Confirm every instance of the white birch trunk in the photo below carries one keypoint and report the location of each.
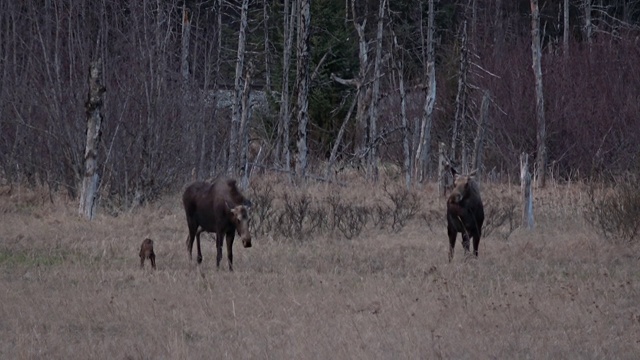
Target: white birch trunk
(232, 165)
(372, 164)
(461, 100)
(283, 152)
(565, 33)
(527, 194)
(537, 72)
(424, 142)
(89, 188)
(476, 162)
(244, 125)
(302, 79)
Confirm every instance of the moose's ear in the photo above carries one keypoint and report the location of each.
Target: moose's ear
(453, 172)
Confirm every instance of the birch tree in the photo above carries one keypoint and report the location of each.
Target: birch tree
(460, 116)
(93, 106)
(375, 97)
(232, 164)
(302, 80)
(283, 153)
(537, 72)
(424, 142)
(565, 32)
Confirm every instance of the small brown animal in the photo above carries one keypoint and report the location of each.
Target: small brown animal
(146, 252)
(465, 212)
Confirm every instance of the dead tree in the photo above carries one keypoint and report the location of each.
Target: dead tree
(302, 80)
(283, 152)
(424, 142)
(232, 164)
(93, 108)
(459, 120)
(476, 162)
(537, 72)
(336, 145)
(527, 195)
(565, 33)
(244, 125)
(588, 24)
(267, 58)
(375, 97)
(398, 67)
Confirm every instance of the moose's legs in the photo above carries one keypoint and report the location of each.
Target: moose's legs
(219, 240)
(199, 258)
(230, 237)
(476, 244)
(451, 231)
(193, 227)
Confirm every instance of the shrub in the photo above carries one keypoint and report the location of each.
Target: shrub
(614, 210)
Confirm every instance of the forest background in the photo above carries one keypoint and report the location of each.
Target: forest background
(175, 73)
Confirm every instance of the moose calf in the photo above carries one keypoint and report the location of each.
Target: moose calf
(146, 252)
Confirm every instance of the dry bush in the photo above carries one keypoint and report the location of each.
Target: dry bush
(301, 216)
(263, 210)
(614, 210)
(501, 215)
(405, 205)
(351, 219)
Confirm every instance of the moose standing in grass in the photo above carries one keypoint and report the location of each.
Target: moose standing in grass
(465, 212)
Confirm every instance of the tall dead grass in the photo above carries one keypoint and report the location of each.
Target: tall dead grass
(74, 289)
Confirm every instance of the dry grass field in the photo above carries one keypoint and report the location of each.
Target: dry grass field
(72, 289)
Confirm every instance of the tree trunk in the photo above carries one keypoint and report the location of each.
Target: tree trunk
(424, 142)
(406, 133)
(302, 79)
(565, 33)
(336, 145)
(214, 152)
(184, 55)
(537, 71)
(459, 119)
(283, 152)
(267, 58)
(362, 129)
(476, 162)
(442, 168)
(372, 163)
(588, 25)
(232, 165)
(527, 195)
(244, 125)
(93, 106)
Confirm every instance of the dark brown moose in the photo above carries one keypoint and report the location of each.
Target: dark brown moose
(465, 212)
(218, 208)
(146, 252)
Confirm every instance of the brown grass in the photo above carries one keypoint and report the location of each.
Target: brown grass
(73, 289)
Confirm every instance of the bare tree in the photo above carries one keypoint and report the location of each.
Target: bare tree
(459, 120)
(398, 66)
(375, 97)
(424, 142)
(267, 58)
(302, 80)
(537, 72)
(565, 32)
(527, 194)
(284, 122)
(476, 162)
(236, 110)
(244, 125)
(588, 24)
(93, 106)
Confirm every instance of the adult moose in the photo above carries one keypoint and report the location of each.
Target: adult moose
(219, 208)
(465, 212)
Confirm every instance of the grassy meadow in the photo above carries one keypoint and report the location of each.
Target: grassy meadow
(73, 289)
